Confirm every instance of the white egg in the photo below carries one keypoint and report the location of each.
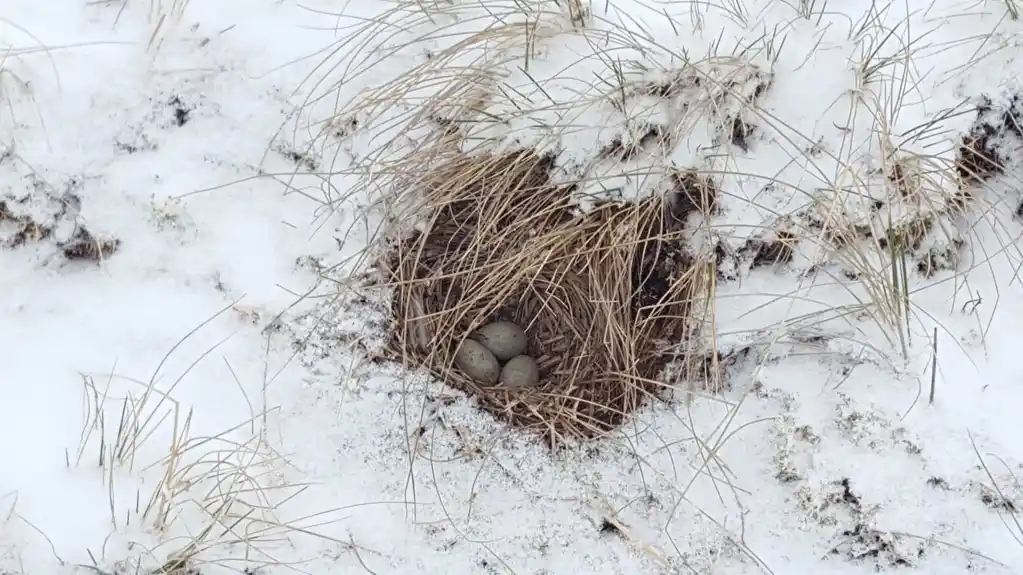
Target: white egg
(478, 362)
(520, 371)
(503, 338)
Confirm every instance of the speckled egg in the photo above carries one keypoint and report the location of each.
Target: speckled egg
(476, 361)
(520, 371)
(503, 338)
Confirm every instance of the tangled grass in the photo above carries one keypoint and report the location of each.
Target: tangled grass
(865, 215)
(605, 296)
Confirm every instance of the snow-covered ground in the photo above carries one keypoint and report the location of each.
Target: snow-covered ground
(190, 389)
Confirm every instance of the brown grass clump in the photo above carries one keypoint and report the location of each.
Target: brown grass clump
(605, 297)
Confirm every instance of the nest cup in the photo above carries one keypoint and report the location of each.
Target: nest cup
(604, 297)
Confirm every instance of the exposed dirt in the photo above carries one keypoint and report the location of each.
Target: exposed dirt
(46, 214)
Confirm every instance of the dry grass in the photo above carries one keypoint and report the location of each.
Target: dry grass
(15, 85)
(605, 297)
(877, 210)
(161, 16)
(205, 498)
(498, 240)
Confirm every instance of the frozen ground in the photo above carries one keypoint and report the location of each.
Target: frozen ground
(174, 394)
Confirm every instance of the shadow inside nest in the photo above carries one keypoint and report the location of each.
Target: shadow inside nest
(604, 297)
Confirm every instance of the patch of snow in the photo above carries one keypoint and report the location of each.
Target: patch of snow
(267, 441)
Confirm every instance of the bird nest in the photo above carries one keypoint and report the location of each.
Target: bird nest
(604, 296)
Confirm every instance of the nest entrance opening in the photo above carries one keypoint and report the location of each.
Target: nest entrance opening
(605, 297)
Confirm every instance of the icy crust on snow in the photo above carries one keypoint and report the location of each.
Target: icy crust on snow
(822, 453)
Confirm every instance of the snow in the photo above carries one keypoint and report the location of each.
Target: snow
(265, 442)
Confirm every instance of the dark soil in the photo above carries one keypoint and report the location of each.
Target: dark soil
(22, 228)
